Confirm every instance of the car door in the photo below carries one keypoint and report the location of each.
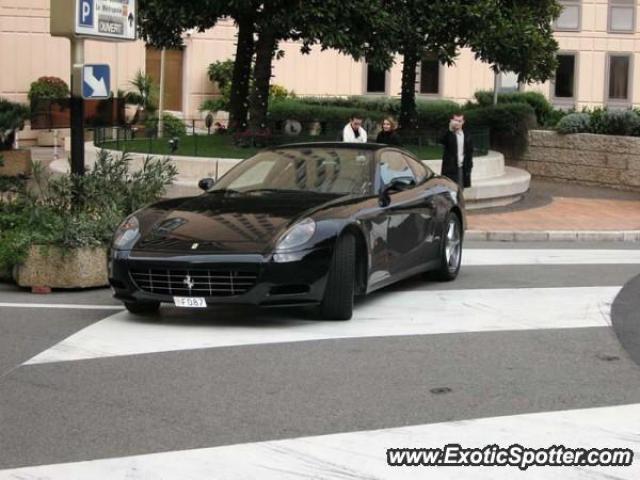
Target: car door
(409, 215)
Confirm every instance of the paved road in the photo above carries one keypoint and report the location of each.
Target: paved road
(519, 349)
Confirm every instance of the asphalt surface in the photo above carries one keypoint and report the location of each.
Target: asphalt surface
(108, 407)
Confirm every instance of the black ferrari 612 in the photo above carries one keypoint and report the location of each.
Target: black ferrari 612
(307, 224)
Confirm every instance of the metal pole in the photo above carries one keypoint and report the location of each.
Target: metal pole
(161, 101)
(77, 109)
(496, 86)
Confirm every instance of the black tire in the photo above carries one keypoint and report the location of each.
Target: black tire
(450, 249)
(140, 308)
(337, 303)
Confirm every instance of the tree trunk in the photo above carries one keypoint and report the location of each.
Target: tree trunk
(259, 101)
(408, 113)
(239, 100)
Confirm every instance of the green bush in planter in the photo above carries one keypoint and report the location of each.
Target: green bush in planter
(77, 211)
(574, 123)
(48, 88)
(172, 125)
(614, 122)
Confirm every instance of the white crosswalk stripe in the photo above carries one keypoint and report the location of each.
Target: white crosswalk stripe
(363, 454)
(392, 314)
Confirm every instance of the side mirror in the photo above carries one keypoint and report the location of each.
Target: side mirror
(396, 185)
(206, 184)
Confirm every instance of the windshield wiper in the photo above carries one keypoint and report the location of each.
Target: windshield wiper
(226, 191)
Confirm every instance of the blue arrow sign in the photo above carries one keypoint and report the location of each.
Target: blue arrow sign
(96, 81)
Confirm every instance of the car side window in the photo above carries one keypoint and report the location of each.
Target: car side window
(394, 167)
(421, 171)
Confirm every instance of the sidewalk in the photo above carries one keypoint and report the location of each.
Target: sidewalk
(561, 211)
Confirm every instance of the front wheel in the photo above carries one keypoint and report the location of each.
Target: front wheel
(450, 249)
(337, 303)
(140, 308)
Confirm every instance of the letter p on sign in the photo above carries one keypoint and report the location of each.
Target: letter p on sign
(86, 13)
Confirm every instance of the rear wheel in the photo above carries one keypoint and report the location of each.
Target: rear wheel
(450, 249)
(337, 303)
(142, 307)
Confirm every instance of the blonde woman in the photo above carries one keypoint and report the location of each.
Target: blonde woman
(388, 135)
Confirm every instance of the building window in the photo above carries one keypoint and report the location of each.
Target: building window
(619, 78)
(622, 16)
(569, 19)
(565, 81)
(429, 74)
(376, 80)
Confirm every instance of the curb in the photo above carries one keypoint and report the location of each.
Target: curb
(628, 236)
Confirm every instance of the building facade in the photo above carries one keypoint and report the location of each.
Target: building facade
(599, 61)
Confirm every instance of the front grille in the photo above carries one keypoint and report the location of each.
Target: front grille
(194, 282)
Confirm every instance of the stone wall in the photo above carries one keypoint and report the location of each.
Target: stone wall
(584, 158)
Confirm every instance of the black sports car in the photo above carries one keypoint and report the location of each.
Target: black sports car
(306, 224)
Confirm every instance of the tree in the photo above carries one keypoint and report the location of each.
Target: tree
(348, 26)
(512, 35)
(163, 23)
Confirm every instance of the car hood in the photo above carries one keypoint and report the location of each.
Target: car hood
(225, 223)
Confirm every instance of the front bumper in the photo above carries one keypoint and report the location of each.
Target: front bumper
(294, 279)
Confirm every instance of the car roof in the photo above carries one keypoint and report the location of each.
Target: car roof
(339, 145)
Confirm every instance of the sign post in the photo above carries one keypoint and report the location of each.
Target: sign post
(104, 20)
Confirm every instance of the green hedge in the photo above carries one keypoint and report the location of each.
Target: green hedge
(546, 115)
(601, 121)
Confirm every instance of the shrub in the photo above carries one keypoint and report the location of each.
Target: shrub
(48, 88)
(614, 122)
(12, 117)
(172, 125)
(305, 112)
(543, 109)
(574, 123)
(73, 211)
(435, 115)
(509, 125)
(146, 94)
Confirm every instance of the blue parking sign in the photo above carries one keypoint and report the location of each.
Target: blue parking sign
(86, 13)
(96, 81)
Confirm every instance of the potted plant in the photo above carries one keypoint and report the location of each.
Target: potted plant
(52, 89)
(56, 234)
(12, 117)
(141, 103)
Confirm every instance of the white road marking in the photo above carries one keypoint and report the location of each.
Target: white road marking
(363, 454)
(62, 306)
(385, 314)
(489, 257)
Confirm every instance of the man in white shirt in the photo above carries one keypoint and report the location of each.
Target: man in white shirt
(353, 132)
(457, 159)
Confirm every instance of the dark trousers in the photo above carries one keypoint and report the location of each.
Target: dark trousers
(461, 177)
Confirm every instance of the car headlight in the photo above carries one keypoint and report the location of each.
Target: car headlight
(297, 235)
(127, 233)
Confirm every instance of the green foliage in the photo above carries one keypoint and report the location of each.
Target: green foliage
(146, 94)
(172, 125)
(221, 73)
(544, 110)
(73, 211)
(12, 117)
(278, 92)
(574, 123)
(509, 125)
(48, 88)
(294, 109)
(601, 121)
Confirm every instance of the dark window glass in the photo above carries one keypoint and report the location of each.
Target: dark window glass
(619, 78)
(430, 75)
(565, 76)
(376, 80)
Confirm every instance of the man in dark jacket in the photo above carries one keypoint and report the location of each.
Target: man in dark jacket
(457, 159)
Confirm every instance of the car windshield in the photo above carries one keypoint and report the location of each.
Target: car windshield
(316, 170)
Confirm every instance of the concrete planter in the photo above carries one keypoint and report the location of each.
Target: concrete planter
(16, 162)
(55, 267)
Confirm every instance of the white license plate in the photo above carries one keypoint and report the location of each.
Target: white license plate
(190, 302)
